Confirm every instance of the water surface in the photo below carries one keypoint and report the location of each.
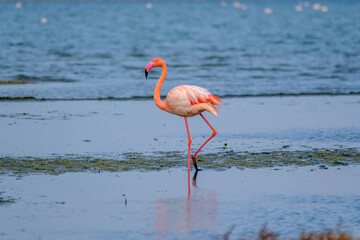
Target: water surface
(99, 49)
(157, 205)
(111, 128)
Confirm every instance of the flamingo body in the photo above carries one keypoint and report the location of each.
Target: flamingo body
(185, 101)
(191, 100)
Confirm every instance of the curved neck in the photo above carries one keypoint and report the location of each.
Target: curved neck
(161, 104)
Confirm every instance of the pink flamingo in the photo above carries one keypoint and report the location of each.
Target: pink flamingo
(185, 101)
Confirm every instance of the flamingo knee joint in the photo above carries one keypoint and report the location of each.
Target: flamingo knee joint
(214, 133)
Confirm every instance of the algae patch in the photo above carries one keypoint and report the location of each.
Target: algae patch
(165, 160)
(6, 200)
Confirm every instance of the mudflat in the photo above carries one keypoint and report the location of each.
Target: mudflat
(289, 163)
(109, 128)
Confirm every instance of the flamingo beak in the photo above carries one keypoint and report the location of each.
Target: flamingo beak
(148, 67)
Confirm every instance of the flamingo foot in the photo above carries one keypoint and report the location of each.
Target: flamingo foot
(195, 164)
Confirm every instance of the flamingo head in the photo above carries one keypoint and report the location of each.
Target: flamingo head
(156, 62)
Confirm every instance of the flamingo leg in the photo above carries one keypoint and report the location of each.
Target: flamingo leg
(189, 143)
(213, 135)
(194, 179)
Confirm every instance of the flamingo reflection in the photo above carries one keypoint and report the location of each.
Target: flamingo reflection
(184, 215)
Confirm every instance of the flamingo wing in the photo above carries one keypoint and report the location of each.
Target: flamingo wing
(190, 100)
(198, 95)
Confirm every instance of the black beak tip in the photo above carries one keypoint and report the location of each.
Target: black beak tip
(146, 73)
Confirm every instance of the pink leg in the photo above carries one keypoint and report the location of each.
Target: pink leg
(189, 143)
(189, 191)
(213, 135)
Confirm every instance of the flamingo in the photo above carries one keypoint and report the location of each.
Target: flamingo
(185, 101)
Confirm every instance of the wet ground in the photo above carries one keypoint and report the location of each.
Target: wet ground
(117, 169)
(166, 160)
(109, 128)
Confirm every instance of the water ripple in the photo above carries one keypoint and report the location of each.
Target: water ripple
(99, 49)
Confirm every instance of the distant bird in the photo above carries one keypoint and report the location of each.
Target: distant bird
(185, 101)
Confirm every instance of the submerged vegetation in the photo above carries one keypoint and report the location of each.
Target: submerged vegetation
(5, 200)
(265, 234)
(165, 160)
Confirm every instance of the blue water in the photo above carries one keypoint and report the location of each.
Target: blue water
(76, 206)
(99, 49)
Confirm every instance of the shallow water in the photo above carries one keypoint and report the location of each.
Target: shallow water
(99, 49)
(156, 205)
(111, 128)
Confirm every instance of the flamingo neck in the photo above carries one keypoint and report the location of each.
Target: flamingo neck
(161, 104)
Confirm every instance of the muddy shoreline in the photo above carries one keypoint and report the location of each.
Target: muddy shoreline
(103, 129)
(167, 160)
(56, 137)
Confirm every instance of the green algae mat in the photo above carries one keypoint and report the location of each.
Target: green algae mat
(165, 160)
